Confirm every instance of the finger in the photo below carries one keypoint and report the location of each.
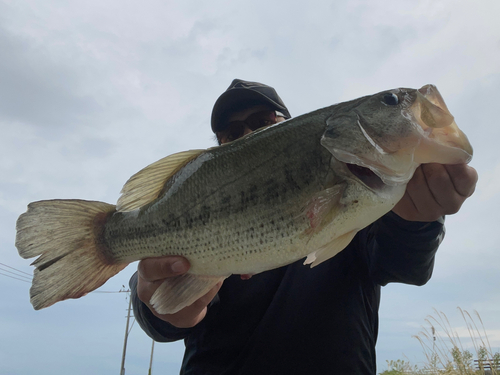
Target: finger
(442, 188)
(192, 314)
(154, 269)
(464, 178)
(421, 196)
(405, 207)
(146, 289)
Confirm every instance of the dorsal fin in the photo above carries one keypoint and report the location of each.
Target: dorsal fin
(146, 185)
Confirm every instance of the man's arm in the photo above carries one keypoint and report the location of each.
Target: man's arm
(402, 245)
(397, 250)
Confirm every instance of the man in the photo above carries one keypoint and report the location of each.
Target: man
(297, 320)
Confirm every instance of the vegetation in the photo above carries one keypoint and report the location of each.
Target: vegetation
(445, 353)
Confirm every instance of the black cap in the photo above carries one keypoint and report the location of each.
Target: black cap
(243, 94)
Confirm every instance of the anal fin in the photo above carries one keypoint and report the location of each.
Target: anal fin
(178, 292)
(330, 250)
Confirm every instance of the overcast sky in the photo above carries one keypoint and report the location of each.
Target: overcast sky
(91, 92)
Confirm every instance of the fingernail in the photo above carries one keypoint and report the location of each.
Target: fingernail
(178, 267)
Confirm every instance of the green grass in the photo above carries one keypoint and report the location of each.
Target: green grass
(445, 353)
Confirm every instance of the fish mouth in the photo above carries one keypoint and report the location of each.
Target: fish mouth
(366, 176)
(443, 142)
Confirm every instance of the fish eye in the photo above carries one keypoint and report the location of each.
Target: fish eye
(391, 99)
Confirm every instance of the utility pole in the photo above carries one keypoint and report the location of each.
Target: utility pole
(151, 359)
(122, 371)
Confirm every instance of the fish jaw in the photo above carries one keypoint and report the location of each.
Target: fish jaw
(442, 142)
(392, 140)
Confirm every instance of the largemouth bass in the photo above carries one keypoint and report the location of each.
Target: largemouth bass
(297, 189)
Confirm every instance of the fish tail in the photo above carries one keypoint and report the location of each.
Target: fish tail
(67, 236)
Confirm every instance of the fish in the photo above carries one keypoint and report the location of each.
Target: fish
(299, 189)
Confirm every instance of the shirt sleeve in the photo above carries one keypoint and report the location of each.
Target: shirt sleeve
(159, 330)
(401, 251)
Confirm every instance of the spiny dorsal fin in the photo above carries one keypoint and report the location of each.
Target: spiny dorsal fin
(147, 184)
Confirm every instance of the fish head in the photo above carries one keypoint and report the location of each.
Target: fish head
(391, 133)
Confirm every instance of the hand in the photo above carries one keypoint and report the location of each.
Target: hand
(151, 274)
(436, 190)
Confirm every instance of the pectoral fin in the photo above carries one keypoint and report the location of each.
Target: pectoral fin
(322, 207)
(330, 250)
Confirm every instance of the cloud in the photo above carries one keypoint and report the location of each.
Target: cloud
(36, 90)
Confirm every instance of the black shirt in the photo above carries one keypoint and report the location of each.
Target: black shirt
(298, 320)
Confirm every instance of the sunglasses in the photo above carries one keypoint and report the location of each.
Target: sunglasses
(236, 129)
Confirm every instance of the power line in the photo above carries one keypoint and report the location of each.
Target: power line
(16, 274)
(12, 277)
(122, 290)
(29, 278)
(108, 291)
(15, 269)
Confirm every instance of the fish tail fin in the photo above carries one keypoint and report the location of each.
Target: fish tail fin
(66, 235)
(178, 292)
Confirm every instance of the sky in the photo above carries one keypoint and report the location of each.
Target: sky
(91, 92)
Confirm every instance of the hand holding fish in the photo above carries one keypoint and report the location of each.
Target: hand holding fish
(436, 190)
(152, 272)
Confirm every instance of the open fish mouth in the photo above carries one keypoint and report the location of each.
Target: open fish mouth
(366, 176)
